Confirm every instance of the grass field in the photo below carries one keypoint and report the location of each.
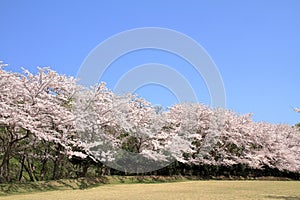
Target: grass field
(286, 190)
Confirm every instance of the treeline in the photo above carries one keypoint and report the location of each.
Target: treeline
(53, 128)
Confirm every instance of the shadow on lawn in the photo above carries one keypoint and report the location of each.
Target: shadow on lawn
(151, 179)
(81, 183)
(28, 187)
(284, 197)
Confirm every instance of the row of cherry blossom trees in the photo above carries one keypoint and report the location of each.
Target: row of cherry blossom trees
(51, 128)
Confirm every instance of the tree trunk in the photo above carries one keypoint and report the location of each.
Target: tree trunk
(85, 168)
(55, 169)
(4, 167)
(58, 158)
(22, 167)
(43, 170)
(28, 170)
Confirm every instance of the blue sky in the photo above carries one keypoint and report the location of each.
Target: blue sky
(255, 45)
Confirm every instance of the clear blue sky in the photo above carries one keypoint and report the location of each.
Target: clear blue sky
(255, 44)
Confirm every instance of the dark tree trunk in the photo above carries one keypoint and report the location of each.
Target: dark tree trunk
(85, 168)
(58, 158)
(4, 167)
(22, 167)
(56, 169)
(28, 170)
(43, 170)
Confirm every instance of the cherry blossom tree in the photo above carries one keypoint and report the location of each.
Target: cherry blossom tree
(51, 109)
(95, 121)
(15, 124)
(120, 131)
(187, 126)
(36, 107)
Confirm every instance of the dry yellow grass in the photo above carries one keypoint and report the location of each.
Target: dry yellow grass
(286, 190)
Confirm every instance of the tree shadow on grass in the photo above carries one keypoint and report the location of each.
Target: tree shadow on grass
(82, 183)
(284, 197)
(24, 188)
(67, 185)
(91, 182)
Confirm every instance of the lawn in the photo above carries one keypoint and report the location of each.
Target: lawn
(286, 190)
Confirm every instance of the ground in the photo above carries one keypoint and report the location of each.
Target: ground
(286, 190)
